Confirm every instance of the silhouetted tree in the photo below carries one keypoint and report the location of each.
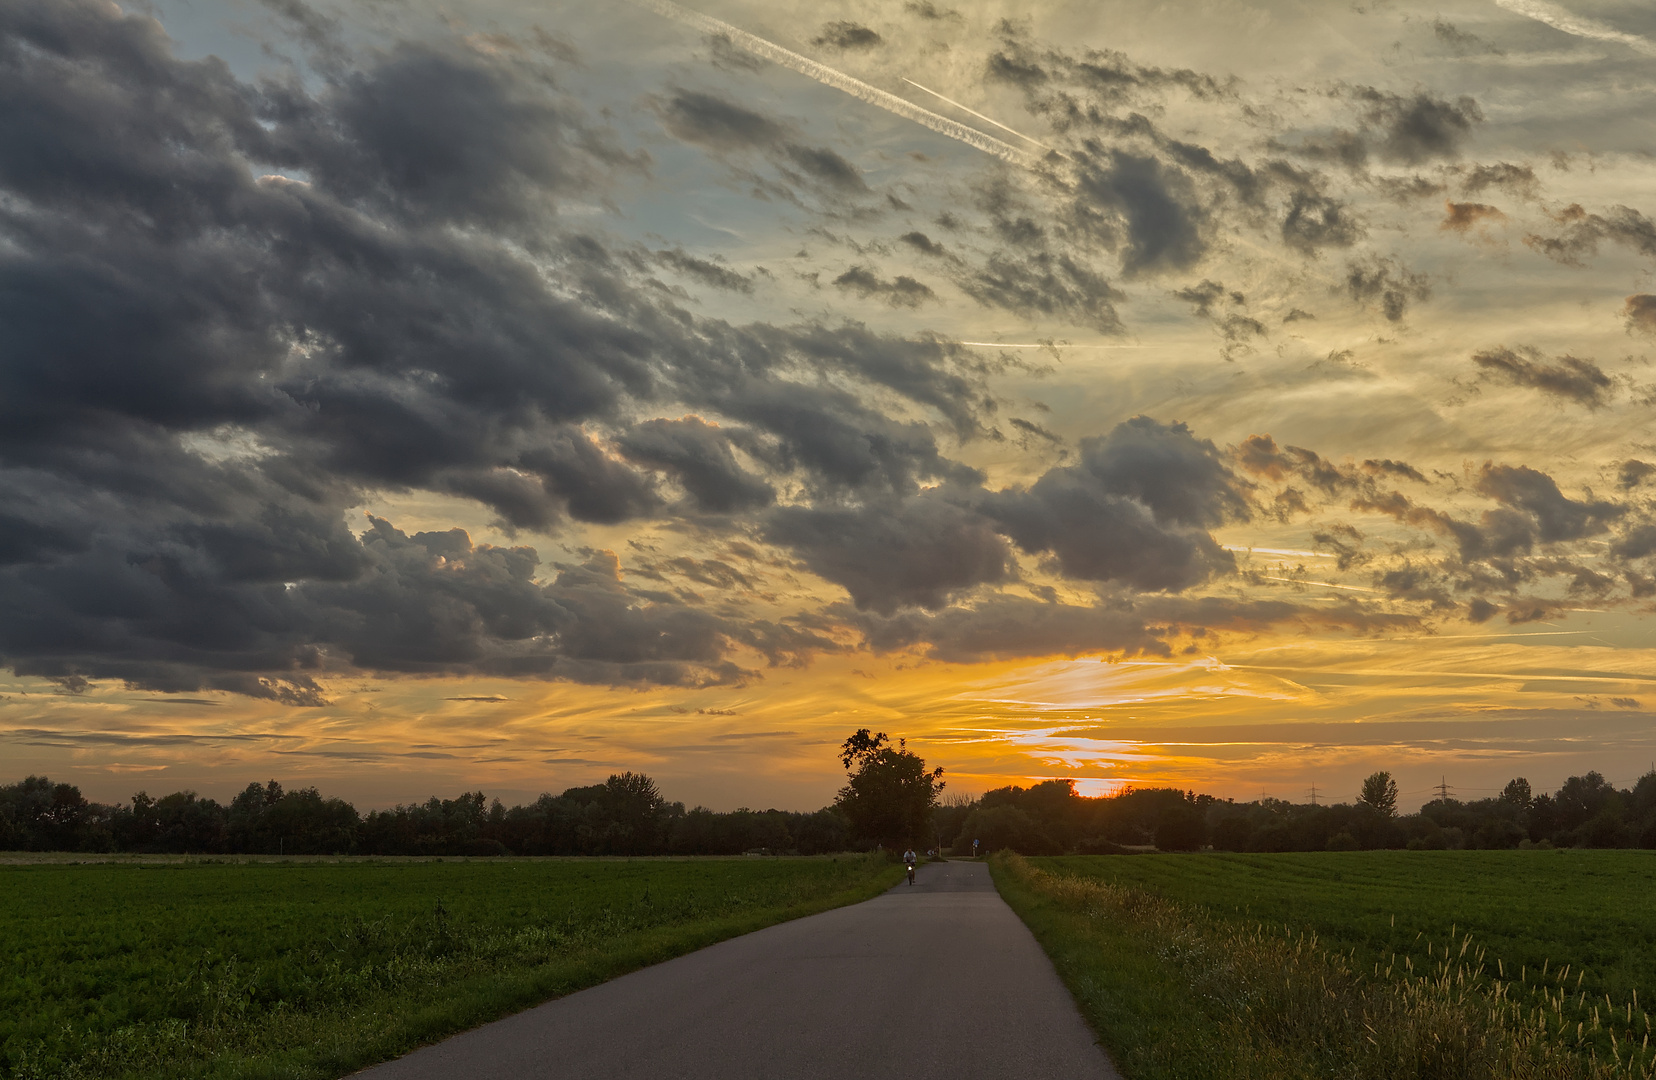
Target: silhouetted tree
(42, 816)
(1005, 828)
(1583, 798)
(889, 794)
(629, 815)
(1181, 829)
(1380, 794)
(1517, 792)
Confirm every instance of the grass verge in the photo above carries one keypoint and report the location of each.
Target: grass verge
(1176, 993)
(309, 971)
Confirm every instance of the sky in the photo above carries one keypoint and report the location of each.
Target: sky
(408, 398)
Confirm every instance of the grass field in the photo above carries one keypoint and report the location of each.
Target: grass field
(1592, 910)
(313, 969)
(1516, 958)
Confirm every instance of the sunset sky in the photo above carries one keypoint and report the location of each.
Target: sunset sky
(405, 398)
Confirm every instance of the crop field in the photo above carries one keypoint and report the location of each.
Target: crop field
(313, 969)
(1481, 963)
(1594, 911)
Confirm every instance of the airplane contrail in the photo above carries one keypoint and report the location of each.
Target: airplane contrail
(1044, 345)
(1578, 25)
(839, 80)
(980, 116)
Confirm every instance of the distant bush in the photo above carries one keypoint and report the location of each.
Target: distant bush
(1181, 828)
(1005, 828)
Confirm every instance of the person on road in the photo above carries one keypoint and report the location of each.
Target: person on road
(909, 860)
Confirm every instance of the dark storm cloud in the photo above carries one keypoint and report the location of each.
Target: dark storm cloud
(1237, 328)
(1461, 42)
(1557, 516)
(1135, 204)
(922, 243)
(229, 309)
(1043, 283)
(1480, 610)
(827, 166)
(1495, 552)
(1519, 180)
(1073, 86)
(842, 34)
(937, 374)
(705, 271)
(725, 127)
(1013, 627)
(1417, 129)
(1398, 129)
(1261, 456)
(1386, 284)
(1567, 377)
(1034, 271)
(1135, 510)
(925, 9)
(431, 603)
(1126, 191)
(712, 121)
(1420, 128)
(1010, 627)
(232, 311)
(1640, 311)
(1638, 542)
(698, 456)
(914, 552)
(1461, 217)
(726, 54)
(1315, 221)
(1580, 234)
(1401, 470)
(1633, 472)
(901, 291)
(1203, 296)
(1028, 429)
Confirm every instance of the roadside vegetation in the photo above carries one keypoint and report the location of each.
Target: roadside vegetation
(1346, 965)
(312, 970)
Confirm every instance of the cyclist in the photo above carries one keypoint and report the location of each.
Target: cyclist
(909, 859)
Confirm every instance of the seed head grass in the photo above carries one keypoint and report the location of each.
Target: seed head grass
(1177, 992)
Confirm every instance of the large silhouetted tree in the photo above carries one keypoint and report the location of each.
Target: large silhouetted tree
(889, 794)
(1518, 793)
(1380, 794)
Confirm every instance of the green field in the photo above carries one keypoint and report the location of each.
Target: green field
(1487, 964)
(1592, 910)
(313, 969)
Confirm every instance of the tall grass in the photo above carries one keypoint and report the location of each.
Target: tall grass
(1177, 993)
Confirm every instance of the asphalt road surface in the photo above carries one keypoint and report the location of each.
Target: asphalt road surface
(935, 980)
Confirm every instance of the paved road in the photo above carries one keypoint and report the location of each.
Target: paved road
(936, 980)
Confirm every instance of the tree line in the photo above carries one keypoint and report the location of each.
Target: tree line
(887, 802)
(625, 815)
(1050, 818)
(890, 800)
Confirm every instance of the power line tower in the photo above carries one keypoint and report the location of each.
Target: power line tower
(1313, 794)
(1443, 788)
